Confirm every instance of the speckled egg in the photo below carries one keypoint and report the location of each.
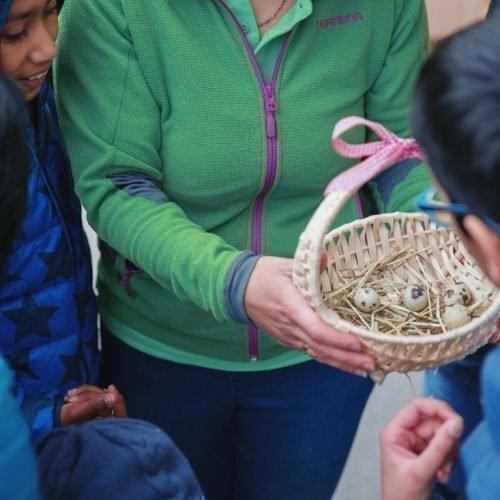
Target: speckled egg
(455, 316)
(457, 293)
(415, 298)
(366, 299)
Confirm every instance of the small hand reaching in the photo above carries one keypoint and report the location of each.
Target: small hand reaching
(419, 444)
(88, 402)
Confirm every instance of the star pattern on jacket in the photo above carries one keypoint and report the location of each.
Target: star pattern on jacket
(21, 364)
(82, 300)
(10, 278)
(23, 319)
(58, 264)
(72, 368)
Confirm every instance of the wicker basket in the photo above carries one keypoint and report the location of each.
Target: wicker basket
(357, 245)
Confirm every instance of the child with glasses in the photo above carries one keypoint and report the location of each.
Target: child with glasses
(456, 120)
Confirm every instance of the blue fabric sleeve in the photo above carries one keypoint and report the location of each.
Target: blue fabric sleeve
(39, 409)
(58, 404)
(139, 186)
(398, 188)
(19, 476)
(493, 5)
(236, 284)
(385, 182)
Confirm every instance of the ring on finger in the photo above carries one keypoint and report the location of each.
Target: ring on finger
(304, 348)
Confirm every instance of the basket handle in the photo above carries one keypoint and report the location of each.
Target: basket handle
(379, 156)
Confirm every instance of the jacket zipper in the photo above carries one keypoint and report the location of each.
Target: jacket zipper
(40, 155)
(57, 206)
(270, 107)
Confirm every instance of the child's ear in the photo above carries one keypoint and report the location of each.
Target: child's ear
(487, 242)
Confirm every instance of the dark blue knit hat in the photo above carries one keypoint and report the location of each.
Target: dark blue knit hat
(118, 458)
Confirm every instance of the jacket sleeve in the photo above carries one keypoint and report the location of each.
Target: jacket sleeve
(19, 476)
(389, 101)
(40, 405)
(110, 121)
(41, 410)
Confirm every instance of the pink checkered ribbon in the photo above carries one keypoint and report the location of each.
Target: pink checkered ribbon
(378, 155)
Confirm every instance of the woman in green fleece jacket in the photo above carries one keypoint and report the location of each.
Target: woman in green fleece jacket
(200, 134)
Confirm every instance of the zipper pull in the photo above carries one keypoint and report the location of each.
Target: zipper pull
(270, 126)
(271, 108)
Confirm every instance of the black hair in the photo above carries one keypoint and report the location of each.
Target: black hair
(14, 165)
(456, 116)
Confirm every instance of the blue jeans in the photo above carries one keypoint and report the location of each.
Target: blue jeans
(458, 384)
(270, 435)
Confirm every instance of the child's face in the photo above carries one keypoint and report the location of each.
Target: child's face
(27, 44)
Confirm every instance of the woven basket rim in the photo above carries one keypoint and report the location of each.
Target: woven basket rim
(381, 218)
(489, 314)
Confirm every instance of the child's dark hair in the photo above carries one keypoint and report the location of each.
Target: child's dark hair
(14, 165)
(456, 116)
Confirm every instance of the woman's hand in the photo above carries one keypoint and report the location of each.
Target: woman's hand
(418, 444)
(88, 402)
(495, 338)
(275, 305)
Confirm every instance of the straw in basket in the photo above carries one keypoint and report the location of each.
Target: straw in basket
(431, 254)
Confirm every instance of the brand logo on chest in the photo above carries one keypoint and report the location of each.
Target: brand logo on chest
(353, 17)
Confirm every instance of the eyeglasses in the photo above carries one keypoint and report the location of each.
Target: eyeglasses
(443, 213)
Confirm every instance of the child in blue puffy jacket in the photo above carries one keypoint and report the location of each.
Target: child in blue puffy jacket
(125, 458)
(48, 319)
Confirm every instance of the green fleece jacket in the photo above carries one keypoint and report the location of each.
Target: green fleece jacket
(167, 90)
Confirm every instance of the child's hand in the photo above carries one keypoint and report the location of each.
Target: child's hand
(418, 444)
(89, 402)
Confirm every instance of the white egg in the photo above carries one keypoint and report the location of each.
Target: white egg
(455, 316)
(457, 293)
(366, 299)
(415, 298)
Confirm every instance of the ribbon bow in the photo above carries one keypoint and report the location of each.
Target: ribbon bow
(378, 155)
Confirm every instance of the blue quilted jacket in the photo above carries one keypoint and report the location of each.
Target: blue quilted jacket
(47, 305)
